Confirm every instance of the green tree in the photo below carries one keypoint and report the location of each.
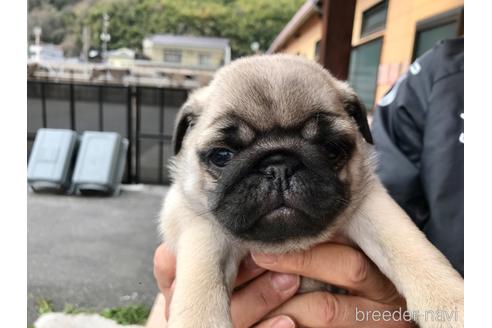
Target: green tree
(50, 20)
(241, 21)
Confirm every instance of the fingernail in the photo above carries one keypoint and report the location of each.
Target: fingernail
(283, 282)
(264, 258)
(283, 322)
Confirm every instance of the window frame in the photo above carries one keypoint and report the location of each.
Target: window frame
(176, 51)
(447, 17)
(207, 62)
(373, 8)
(379, 38)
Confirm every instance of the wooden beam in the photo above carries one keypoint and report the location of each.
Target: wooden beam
(336, 39)
(461, 23)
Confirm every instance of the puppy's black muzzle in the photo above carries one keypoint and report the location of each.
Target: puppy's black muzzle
(279, 168)
(278, 188)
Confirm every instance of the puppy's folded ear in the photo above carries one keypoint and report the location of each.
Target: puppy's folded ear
(356, 109)
(186, 117)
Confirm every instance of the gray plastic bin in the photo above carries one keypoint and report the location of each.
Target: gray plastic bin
(100, 163)
(51, 160)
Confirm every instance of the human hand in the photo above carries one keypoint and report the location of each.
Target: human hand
(345, 267)
(257, 292)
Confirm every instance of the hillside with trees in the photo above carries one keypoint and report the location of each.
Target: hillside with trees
(242, 21)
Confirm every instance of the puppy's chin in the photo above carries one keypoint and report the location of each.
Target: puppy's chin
(283, 224)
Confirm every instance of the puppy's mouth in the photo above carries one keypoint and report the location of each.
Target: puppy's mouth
(275, 219)
(278, 224)
(283, 212)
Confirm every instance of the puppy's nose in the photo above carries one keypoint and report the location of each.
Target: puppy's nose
(279, 168)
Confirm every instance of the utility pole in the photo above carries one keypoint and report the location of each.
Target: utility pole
(37, 42)
(86, 43)
(255, 46)
(105, 36)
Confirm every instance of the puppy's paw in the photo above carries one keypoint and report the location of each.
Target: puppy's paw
(440, 311)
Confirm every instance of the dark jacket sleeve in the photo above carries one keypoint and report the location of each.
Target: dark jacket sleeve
(418, 135)
(398, 133)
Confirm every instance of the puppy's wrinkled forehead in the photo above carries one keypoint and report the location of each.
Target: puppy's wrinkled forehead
(274, 92)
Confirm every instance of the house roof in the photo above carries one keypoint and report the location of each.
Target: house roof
(309, 8)
(190, 41)
(122, 52)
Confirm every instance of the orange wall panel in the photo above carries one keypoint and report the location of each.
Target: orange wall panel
(398, 35)
(304, 42)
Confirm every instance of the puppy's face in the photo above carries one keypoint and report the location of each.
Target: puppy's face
(271, 149)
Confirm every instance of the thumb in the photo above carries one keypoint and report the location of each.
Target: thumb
(298, 262)
(281, 321)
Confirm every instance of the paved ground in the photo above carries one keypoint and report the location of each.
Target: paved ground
(92, 252)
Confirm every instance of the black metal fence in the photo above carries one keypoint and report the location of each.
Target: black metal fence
(144, 115)
(156, 110)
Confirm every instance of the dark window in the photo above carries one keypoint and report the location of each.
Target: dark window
(434, 29)
(374, 18)
(204, 59)
(363, 72)
(316, 50)
(172, 56)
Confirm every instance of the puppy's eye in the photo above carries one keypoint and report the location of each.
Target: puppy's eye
(335, 154)
(220, 156)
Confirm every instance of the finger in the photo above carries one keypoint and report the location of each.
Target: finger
(248, 270)
(281, 321)
(168, 295)
(321, 309)
(164, 267)
(261, 296)
(336, 264)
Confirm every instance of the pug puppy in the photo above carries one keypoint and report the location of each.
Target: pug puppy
(275, 155)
